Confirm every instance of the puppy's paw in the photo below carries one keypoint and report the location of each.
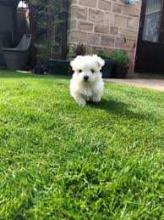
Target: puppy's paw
(96, 99)
(80, 101)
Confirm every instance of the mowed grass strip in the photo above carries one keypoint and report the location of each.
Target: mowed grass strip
(62, 161)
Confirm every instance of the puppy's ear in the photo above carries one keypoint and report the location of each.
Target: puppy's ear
(99, 60)
(75, 62)
(72, 64)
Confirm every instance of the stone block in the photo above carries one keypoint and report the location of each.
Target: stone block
(130, 34)
(93, 39)
(107, 41)
(96, 16)
(120, 43)
(104, 5)
(130, 44)
(109, 18)
(85, 26)
(101, 28)
(131, 10)
(117, 8)
(78, 37)
(133, 23)
(78, 12)
(113, 30)
(121, 21)
(74, 2)
(88, 3)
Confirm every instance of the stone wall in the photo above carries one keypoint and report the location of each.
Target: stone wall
(109, 24)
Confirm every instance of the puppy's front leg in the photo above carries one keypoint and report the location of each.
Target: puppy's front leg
(98, 92)
(96, 98)
(80, 100)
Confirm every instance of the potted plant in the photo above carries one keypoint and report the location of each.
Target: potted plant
(109, 67)
(122, 63)
(58, 67)
(80, 49)
(40, 66)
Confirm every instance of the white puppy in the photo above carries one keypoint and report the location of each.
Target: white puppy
(87, 83)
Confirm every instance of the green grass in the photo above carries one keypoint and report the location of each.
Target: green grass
(61, 161)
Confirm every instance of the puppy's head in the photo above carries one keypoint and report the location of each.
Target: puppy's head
(87, 68)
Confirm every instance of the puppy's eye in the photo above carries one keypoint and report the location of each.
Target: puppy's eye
(80, 71)
(93, 71)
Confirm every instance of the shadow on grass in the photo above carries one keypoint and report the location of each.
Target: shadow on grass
(122, 109)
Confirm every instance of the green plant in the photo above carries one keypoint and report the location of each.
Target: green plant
(76, 50)
(121, 57)
(104, 54)
(80, 50)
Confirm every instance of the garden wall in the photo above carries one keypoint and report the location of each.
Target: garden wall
(108, 24)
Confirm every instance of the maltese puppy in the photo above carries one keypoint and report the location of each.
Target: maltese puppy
(87, 83)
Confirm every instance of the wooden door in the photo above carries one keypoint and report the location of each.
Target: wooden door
(150, 49)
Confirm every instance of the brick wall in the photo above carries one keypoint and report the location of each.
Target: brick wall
(109, 24)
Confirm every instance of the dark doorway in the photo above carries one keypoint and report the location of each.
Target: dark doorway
(51, 29)
(150, 50)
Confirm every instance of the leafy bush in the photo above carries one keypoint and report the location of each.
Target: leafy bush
(121, 57)
(104, 54)
(80, 50)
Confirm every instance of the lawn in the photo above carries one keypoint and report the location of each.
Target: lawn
(65, 162)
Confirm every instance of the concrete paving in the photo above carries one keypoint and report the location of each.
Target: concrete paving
(157, 84)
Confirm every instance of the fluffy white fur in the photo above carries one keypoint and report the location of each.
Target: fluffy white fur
(87, 83)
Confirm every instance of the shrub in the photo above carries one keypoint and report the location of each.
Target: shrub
(121, 57)
(104, 54)
(80, 50)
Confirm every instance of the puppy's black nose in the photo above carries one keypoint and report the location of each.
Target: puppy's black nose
(86, 78)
